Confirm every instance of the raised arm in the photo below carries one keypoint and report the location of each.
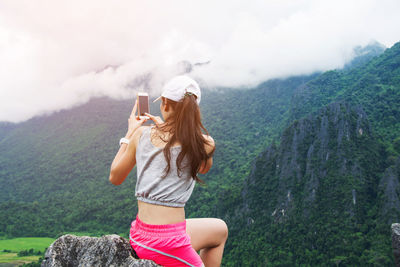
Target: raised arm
(125, 158)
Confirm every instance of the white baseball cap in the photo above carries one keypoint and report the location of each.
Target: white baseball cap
(176, 88)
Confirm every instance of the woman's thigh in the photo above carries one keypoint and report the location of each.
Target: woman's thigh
(206, 232)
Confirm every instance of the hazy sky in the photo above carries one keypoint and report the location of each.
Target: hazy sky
(58, 54)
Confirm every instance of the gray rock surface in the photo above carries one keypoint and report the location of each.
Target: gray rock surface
(109, 250)
(390, 187)
(396, 242)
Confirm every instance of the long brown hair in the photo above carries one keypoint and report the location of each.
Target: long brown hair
(185, 127)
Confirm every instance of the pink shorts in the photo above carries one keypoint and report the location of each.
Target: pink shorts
(166, 245)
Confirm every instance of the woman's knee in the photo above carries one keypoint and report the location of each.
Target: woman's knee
(223, 229)
(207, 232)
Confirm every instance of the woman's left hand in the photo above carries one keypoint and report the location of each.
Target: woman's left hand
(134, 121)
(156, 119)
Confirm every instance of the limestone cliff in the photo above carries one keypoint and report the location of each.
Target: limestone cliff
(322, 163)
(390, 190)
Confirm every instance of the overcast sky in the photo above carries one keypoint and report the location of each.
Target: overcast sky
(59, 54)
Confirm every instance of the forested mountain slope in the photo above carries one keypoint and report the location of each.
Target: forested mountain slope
(328, 191)
(374, 85)
(313, 199)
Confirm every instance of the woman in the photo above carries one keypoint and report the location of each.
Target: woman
(168, 156)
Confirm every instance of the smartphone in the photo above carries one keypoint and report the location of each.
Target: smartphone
(143, 104)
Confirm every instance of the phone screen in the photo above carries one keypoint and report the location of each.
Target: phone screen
(143, 104)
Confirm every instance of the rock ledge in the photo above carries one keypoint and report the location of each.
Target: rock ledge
(109, 250)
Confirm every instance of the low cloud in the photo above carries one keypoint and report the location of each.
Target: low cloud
(56, 55)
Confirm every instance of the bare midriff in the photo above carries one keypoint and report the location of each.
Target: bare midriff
(157, 214)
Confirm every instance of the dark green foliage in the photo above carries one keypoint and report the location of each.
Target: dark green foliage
(34, 264)
(396, 144)
(29, 252)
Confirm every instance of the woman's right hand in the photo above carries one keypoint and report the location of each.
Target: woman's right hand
(134, 121)
(156, 119)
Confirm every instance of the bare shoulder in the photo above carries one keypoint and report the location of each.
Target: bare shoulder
(210, 143)
(209, 139)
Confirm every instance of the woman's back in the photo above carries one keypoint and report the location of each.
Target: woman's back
(153, 185)
(160, 199)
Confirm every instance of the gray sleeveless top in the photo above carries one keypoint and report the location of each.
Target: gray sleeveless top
(172, 190)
